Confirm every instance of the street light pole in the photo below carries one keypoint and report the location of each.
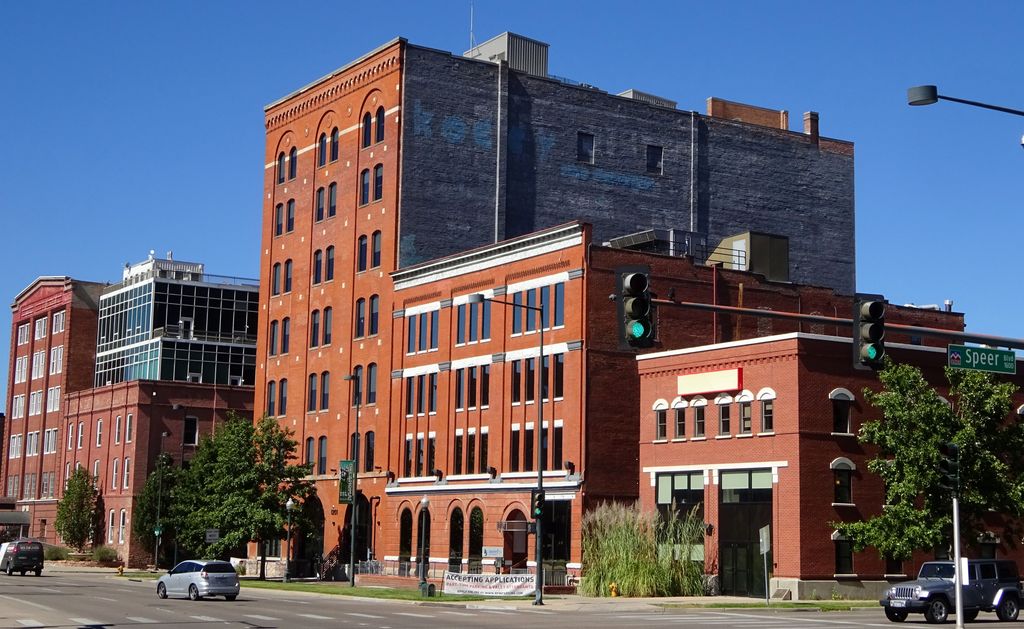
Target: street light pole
(355, 469)
(424, 514)
(158, 530)
(288, 543)
(929, 94)
(478, 298)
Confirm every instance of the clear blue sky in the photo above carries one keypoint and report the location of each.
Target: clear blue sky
(130, 126)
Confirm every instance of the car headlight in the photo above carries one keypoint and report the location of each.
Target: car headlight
(919, 592)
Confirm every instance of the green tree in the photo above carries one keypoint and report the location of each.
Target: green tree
(915, 422)
(76, 511)
(155, 497)
(238, 482)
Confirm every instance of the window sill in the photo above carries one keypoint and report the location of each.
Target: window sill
(679, 440)
(846, 576)
(844, 504)
(723, 436)
(766, 434)
(660, 441)
(745, 435)
(842, 434)
(698, 438)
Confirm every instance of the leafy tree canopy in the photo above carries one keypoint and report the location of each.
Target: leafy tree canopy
(154, 502)
(915, 422)
(76, 511)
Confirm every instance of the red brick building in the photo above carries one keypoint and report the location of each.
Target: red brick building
(762, 432)
(53, 350)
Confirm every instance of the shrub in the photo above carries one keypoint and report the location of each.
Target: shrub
(104, 554)
(55, 553)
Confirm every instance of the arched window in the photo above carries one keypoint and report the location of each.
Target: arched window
(321, 461)
(282, 397)
(287, 276)
(360, 318)
(404, 534)
(724, 403)
(476, 537)
(374, 313)
(367, 129)
(357, 384)
(334, 144)
(328, 322)
(660, 420)
(699, 405)
(745, 402)
(455, 535)
(99, 432)
(311, 394)
(842, 400)
(293, 163)
(325, 390)
(280, 173)
(275, 279)
(279, 219)
(314, 328)
(375, 260)
(329, 264)
(364, 187)
(289, 225)
(378, 182)
(766, 397)
(310, 453)
(319, 205)
(322, 153)
(380, 125)
(368, 452)
(332, 200)
(116, 476)
(842, 477)
(318, 263)
(271, 398)
(126, 483)
(371, 383)
(286, 333)
(361, 254)
(679, 418)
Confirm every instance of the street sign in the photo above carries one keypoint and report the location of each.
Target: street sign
(982, 359)
(765, 537)
(346, 482)
(158, 530)
(212, 535)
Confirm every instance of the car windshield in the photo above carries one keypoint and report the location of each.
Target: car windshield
(936, 571)
(218, 567)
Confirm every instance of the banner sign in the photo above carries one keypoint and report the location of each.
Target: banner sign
(490, 584)
(346, 482)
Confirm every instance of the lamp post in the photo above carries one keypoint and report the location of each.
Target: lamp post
(358, 395)
(158, 530)
(929, 94)
(479, 298)
(288, 506)
(424, 514)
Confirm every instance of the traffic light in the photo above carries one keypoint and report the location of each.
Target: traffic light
(637, 315)
(869, 332)
(537, 503)
(949, 466)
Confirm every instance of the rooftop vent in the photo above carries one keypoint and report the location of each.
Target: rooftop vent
(650, 99)
(521, 53)
(764, 254)
(672, 242)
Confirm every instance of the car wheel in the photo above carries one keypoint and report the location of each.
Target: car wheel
(1008, 609)
(937, 611)
(10, 570)
(230, 597)
(39, 572)
(193, 593)
(895, 615)
(161, 590)
(969, 616)
(23, 572)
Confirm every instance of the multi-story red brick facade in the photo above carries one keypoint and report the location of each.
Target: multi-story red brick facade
(53, 349)
(762, 432)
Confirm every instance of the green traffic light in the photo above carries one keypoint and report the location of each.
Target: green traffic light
(871, 351)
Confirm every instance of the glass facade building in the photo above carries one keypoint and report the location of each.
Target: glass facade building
(170, 320)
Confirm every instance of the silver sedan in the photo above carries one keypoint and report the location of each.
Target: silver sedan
(198, 578)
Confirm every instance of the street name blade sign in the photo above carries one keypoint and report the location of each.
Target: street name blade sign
(982, 359)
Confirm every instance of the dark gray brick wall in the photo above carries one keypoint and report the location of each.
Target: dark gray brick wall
(747, 177)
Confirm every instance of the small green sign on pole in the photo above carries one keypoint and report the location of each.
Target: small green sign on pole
(346, 482)
(158, 530)
(982, 359)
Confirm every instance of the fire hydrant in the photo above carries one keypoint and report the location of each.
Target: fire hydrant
(613, 587)
(120, 570)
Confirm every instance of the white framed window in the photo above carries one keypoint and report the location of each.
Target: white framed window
(128, 429)
(18, 407)
(35, 403)
(117, 429)
(41, 328)
(23, 334)
(50, 441)
(14, 451)
(126, 482)
(99, 432)
(81, 434)
(58, 322)
(116, 476)
(842, 401)
(32, 443)
(53, 399)
(120, 529)
(38, 364)
(56, 359)
(95, 472)
(110, 528)
(71, 436)
(20, 369)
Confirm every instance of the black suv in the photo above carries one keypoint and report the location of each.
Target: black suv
(993, 585)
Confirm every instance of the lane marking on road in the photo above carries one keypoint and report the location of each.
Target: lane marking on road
(30, 603)
(458, 613)
(141, 620)
(104, 598)
(85, 621)
(28, 622)
(363, 615)
(413, 615)
(316, 617)
(258, 617)
(207, 618)
(792, 620)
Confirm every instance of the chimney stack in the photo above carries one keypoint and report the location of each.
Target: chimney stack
(811, 125)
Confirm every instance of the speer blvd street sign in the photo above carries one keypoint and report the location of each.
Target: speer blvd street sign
(982, 359)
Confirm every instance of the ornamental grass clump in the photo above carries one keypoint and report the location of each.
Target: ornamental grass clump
(643, 554)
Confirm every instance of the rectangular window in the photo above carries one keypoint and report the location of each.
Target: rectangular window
(517, 381)
(14, 449)
(840, 415)
(408, 395)
(844, 556)
(485, 321)
(32, 444)
(117, 429)
(20, 369)
(474, 322)
(471, 385)
(485, 385)
(698, 421)
(584, 147)
(483, 453)
(746, 422)
(559, 319)
(18, 407)
(459, 396)
(513, 451)
(528, 450)
(52, 399)
(40, 328)
(545, 307)
(457, 462)
(724, 416)
(423, 333)
(23, 334)
(434, 327)
(58, 322)
(431, 452)
(191, 432)
(35, 403)
(680, 423)
(420, 394)
(517, 313)
(432, 392)
(843, 489)
(408, 457)
(410, 347)
(470, 452)
(660, 424)
(56, 359)
(128, 429)
(654, 159)
(420, 445)
(556, 452)
(767, 415)
(530, 378)
(38, 364)
(531, 302)
(460, 325)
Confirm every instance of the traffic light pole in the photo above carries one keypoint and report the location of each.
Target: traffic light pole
(956, 558)
(538, 598)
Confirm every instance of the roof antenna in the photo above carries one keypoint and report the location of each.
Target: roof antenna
(472, 41)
